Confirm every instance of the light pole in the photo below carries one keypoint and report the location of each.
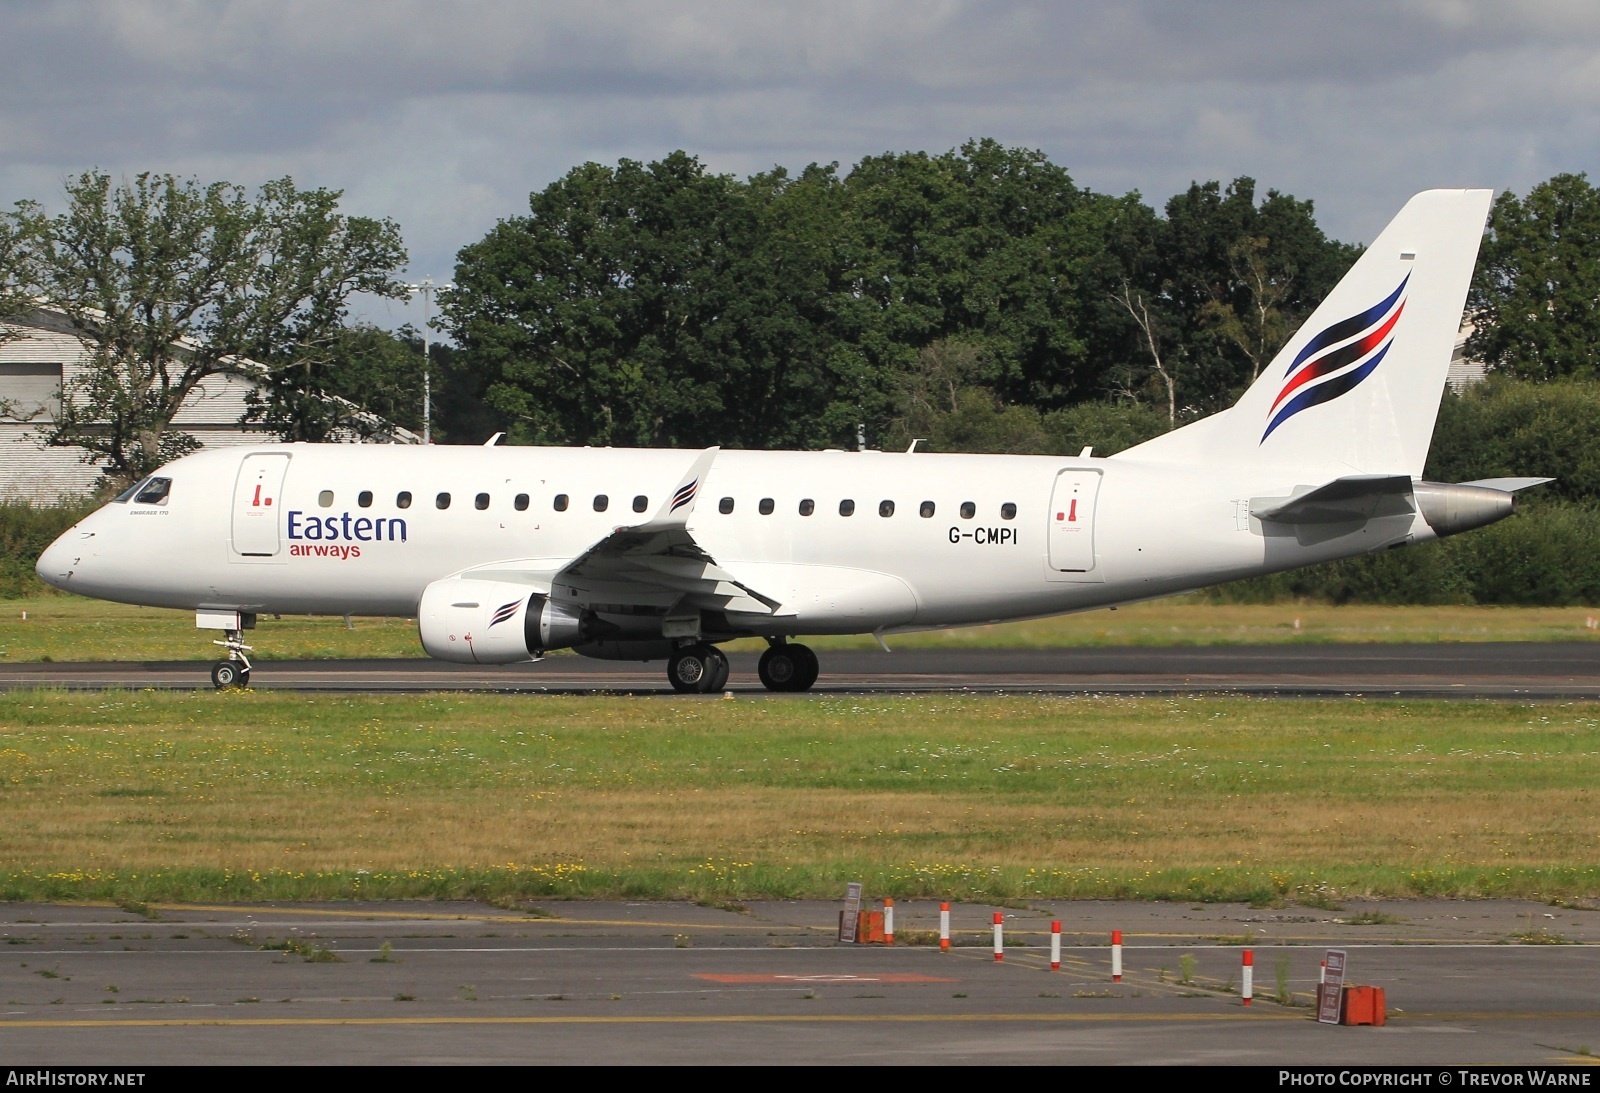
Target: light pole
(427, 288)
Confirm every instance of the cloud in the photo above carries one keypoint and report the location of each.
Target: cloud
(444, 115)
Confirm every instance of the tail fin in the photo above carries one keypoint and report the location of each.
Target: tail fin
(1357, 389)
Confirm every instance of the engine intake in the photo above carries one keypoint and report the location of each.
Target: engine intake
(496, 622)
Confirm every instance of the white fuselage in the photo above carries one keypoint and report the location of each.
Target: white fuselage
(1045, 535)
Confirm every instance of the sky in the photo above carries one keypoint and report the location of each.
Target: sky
(445, 115)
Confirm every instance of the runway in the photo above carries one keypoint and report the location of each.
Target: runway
(1535, 670)
(654, 983)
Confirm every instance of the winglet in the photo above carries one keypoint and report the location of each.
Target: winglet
(675, 511)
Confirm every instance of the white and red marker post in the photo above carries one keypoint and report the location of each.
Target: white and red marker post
(1247, 976)
(999, 936)
(1116, 956)
(1055, 946)
(888, 922)
(944, 927)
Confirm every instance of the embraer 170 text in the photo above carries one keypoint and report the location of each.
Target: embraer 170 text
(503, 553)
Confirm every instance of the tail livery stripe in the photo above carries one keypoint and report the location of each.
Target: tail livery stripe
(684, 495)
(1376, 326)
(1339, 331)
(505, 612)
(1349, 353)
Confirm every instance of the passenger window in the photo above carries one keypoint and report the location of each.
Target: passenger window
(641, 503)
(325, 498)
(968, 510)
(765, 507)
(561, 502)
(725, 506)
(847, 508)
(480, 502)
(402, 500)
(156, 490)
(807, 507)
(885, 508)
(927, 510)
(1008, 511)
(442, 501)
(127, 494)
(601, 502)
(520, 503)
(364, 499)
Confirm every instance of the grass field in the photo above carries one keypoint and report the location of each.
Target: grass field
(65, 628)
(140, 796)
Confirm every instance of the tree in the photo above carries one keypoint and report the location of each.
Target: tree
(1235, 279)
(991, 246)
(659, 304)
(167, 281)
(942, 400)
(12, 301)
(1535, 300)
(363, 381)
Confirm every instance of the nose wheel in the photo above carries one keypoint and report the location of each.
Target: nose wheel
(235, 671)
(698, 669)
(788, 667)
(229, 673)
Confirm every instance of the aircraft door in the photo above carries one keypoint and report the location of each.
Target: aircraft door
(1071, 534)
(257, 504)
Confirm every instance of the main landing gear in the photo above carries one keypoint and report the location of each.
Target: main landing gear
(235, 671)
(786, 666)
(697, 669)
(703, 669)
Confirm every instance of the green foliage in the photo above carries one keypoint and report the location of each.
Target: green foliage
(1544, 556)
(660, 304)
(1107, 427)
(167, 281)
(25, 530)
(366, 379)
(1538, 279)
(1510, 428)
(1213, 291)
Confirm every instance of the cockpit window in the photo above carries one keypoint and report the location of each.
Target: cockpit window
(155, 492)
(126, 495)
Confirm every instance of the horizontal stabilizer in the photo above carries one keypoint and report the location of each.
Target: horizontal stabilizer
(1508, 485)
(1354, 497)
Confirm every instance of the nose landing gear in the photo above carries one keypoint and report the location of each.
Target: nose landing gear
(786, 666)
(235, 671)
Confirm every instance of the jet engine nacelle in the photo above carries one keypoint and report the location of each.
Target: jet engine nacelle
(496, 622)
(1451, 508)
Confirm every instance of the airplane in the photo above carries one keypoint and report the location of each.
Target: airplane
(503, 554)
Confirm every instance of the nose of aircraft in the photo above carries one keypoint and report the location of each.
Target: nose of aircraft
(62, 558)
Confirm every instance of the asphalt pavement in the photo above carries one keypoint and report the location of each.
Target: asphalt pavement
(769, 983)
(1542, 670)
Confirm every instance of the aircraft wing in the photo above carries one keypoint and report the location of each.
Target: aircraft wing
(658, 562)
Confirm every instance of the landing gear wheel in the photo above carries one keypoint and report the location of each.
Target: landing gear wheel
(719, 670)
(788, 667)
(229, 673)
(696, 670)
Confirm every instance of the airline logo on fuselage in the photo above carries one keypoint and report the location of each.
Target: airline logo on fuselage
(1335, 361)
(346, 527)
